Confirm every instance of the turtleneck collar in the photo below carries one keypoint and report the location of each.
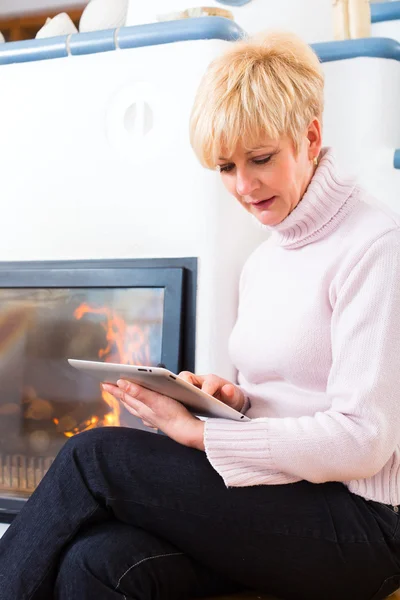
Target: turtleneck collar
(326, 202)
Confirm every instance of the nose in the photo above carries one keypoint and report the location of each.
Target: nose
(246, 183)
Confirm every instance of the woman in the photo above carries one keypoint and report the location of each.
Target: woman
(300, 502)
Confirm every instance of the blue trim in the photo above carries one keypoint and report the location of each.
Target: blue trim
(93, 42)
(385, 11)
(203, 28)
(396, 159)
(233, 2)
(367, 47)
(32, 50)
(152, 34)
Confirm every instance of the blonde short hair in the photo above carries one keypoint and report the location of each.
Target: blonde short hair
(269, 85)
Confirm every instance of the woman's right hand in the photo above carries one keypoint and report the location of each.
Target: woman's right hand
(221, 389)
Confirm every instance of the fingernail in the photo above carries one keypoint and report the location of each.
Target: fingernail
(121, 384)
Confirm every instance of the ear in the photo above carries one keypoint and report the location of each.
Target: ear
(314, 137)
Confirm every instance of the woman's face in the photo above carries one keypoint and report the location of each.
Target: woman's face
(270, 180)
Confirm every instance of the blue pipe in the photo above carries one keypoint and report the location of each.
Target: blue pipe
(385, 11)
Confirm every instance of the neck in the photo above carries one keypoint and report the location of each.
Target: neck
(328, 198)
(308, 179)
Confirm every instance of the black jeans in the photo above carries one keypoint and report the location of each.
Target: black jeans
(128, 514)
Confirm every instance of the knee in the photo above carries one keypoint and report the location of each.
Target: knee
(104, 442)
(76, 571)
(89, 440)
(87, 563)
(74, 558)
(72, 570)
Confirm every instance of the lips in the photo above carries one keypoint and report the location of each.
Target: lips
(261, 204)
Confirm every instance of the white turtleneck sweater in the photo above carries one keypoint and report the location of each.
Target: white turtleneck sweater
(317, 348)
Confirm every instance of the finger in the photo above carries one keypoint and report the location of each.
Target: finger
(109, 387)
(134, 390)
(127, 399)
(136, 414)
(186, 375)
(232, 395)
(228, 390)
(211, 385)
(131, 410)
(136, 408)
(196, 380)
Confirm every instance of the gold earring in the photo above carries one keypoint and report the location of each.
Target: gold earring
(315, 161)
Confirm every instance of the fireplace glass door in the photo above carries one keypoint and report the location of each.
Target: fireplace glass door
(43, 400)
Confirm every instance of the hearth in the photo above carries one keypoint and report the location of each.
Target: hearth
(128, 311)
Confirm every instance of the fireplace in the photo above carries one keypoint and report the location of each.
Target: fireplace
(129, 311)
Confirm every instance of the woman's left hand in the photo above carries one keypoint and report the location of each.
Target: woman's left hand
(159, 411)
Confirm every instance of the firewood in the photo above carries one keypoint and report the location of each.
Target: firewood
(39, 410)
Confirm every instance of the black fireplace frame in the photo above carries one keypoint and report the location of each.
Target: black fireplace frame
(178, 277)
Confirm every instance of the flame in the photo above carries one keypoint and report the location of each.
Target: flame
(126, 344)
(112, 418)
(85, 426)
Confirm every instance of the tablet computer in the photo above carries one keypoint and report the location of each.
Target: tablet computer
(163, 381)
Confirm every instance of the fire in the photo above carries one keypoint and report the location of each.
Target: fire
(124, 344)
(85, 426)
(112, 418)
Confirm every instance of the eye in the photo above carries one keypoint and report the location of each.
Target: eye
(262, 161)
(226, 168)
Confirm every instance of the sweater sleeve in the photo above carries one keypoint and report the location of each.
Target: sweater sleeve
(357, 435)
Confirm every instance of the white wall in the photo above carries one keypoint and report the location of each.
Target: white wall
(12, 7)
